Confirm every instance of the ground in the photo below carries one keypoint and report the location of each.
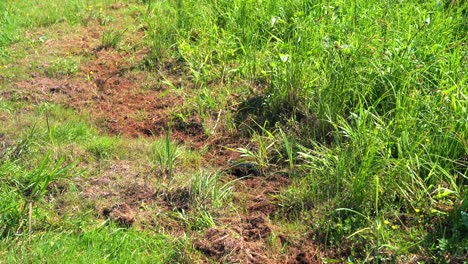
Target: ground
(123, 99)
(233, 131)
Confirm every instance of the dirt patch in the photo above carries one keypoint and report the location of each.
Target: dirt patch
(139, 192)
(245, 241)
(178, 199)
(222, 149)
(303, 257)
(263, 205)
(218, 243)
(116, 101)
(120, 192)
(192, 126)
(255, 228)
(121, 213)
(121, 98)
(227, 247)
(247, 237)
(257, 194)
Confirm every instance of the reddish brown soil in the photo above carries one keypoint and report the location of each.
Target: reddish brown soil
(246, 235)
(120, 191)
(113, 97)
(124, 100)
(121, 213)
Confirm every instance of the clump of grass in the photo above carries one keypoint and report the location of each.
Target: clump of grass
(103, 148)
(34, 185)
(111, 39)
(201, 200)
(198, 220)
(207, 194)
(61, 67)
(165, 153)
(30, 187)
(271, 151)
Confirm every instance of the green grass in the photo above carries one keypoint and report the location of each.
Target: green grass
(108, 244)
(165, 154)
(386, 85)
(363, 103)
(103, 147)
(110, 39)
(62, 67)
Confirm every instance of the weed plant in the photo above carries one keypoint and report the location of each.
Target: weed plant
(111, 39)
(206, 197)
(62, 67)
(207, 194)
(165, 154)
(25, 188)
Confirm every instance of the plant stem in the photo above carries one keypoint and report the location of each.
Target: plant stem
(30, 219)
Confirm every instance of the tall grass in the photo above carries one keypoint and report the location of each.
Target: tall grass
(165, 154)
(386, 82)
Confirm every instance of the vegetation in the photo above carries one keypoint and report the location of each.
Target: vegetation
(361, 105)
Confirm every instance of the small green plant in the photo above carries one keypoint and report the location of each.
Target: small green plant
(204, 220)
(62, 66)
(206, 192)
(289, 148)
(102, 147)
(34, 185)
(263, 150)
(198, 220)
(165, 154)
(111, 39)
(24, 145)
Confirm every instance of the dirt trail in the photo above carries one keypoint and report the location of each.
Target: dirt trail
(124, 100)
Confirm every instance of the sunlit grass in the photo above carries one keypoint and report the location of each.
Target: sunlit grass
(385, 82)
(364, 103)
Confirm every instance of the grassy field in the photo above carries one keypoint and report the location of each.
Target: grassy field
(242, 131)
